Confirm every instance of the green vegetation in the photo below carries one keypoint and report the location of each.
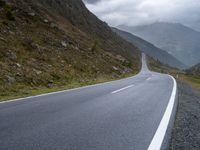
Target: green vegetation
(94, 46)
(157, 66)
(36, 57)
(20, 91)
(193, 80)
(9, 13)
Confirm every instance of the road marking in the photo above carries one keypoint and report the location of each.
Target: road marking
(158, 138)
(62, 91)
(114, 92)
(149, 78)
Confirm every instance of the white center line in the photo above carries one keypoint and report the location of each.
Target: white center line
(123, 89)
(149, 78)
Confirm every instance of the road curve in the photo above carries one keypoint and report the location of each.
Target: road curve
(119, 115)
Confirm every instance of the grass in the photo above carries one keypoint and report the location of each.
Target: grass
(194, 81)
(42, 90)
(33, 60)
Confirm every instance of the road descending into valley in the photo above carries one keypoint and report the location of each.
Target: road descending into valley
(128, 114)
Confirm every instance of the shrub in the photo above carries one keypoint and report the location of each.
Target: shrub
(9, 13)
(2, 3)
(94, 46)
(4, 22)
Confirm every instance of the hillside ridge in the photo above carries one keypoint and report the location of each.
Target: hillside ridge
(150, 49)
(178, 40)
(43, 47)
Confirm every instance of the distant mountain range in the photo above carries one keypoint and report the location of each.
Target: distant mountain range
(150, 49)
(178, 40)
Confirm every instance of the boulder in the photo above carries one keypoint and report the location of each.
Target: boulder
(46, 21)
(64, 43)
(18, 65)
(31, 14)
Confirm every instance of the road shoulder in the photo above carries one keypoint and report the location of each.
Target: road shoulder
(185, 134)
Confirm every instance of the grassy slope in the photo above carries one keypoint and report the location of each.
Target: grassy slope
(193, 76)
(33, 59)
(180, 75)
(77, 14)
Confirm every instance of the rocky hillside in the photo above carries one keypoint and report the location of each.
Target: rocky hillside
(195, 70)
(79, 16)
(53, 43)
(150, 49)
(178, 40)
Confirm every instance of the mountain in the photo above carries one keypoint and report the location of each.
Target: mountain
(79, 16)
(53, 43)
(91, 1)
(195, 70)
(178, 40)
(150, 49)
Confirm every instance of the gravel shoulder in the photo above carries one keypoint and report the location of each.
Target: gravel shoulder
(186, 131)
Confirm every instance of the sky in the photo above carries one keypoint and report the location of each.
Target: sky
(142, 12)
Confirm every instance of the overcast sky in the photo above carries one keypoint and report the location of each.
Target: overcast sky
(140, 12)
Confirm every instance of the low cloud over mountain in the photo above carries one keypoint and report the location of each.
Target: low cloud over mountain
(178, 40)
(140, 12)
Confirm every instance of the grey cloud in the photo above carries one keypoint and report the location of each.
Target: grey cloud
(140, 12)
(91, 1)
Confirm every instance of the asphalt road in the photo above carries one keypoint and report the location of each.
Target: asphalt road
(119, 115)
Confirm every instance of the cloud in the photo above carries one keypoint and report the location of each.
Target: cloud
(91, 1)
(140, 12)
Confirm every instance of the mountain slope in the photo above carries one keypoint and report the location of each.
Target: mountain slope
(79, 16)
(150, 49)
(195, 70)
(56, 43)
(178, 40)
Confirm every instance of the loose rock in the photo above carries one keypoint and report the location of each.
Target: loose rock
(64, 44)
(31, 14)
(46, 21)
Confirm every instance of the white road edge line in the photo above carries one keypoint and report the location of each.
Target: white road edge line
(158, 138)
(114, 92)
(62, 91)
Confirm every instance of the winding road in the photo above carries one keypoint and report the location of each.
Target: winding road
(128, 114)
